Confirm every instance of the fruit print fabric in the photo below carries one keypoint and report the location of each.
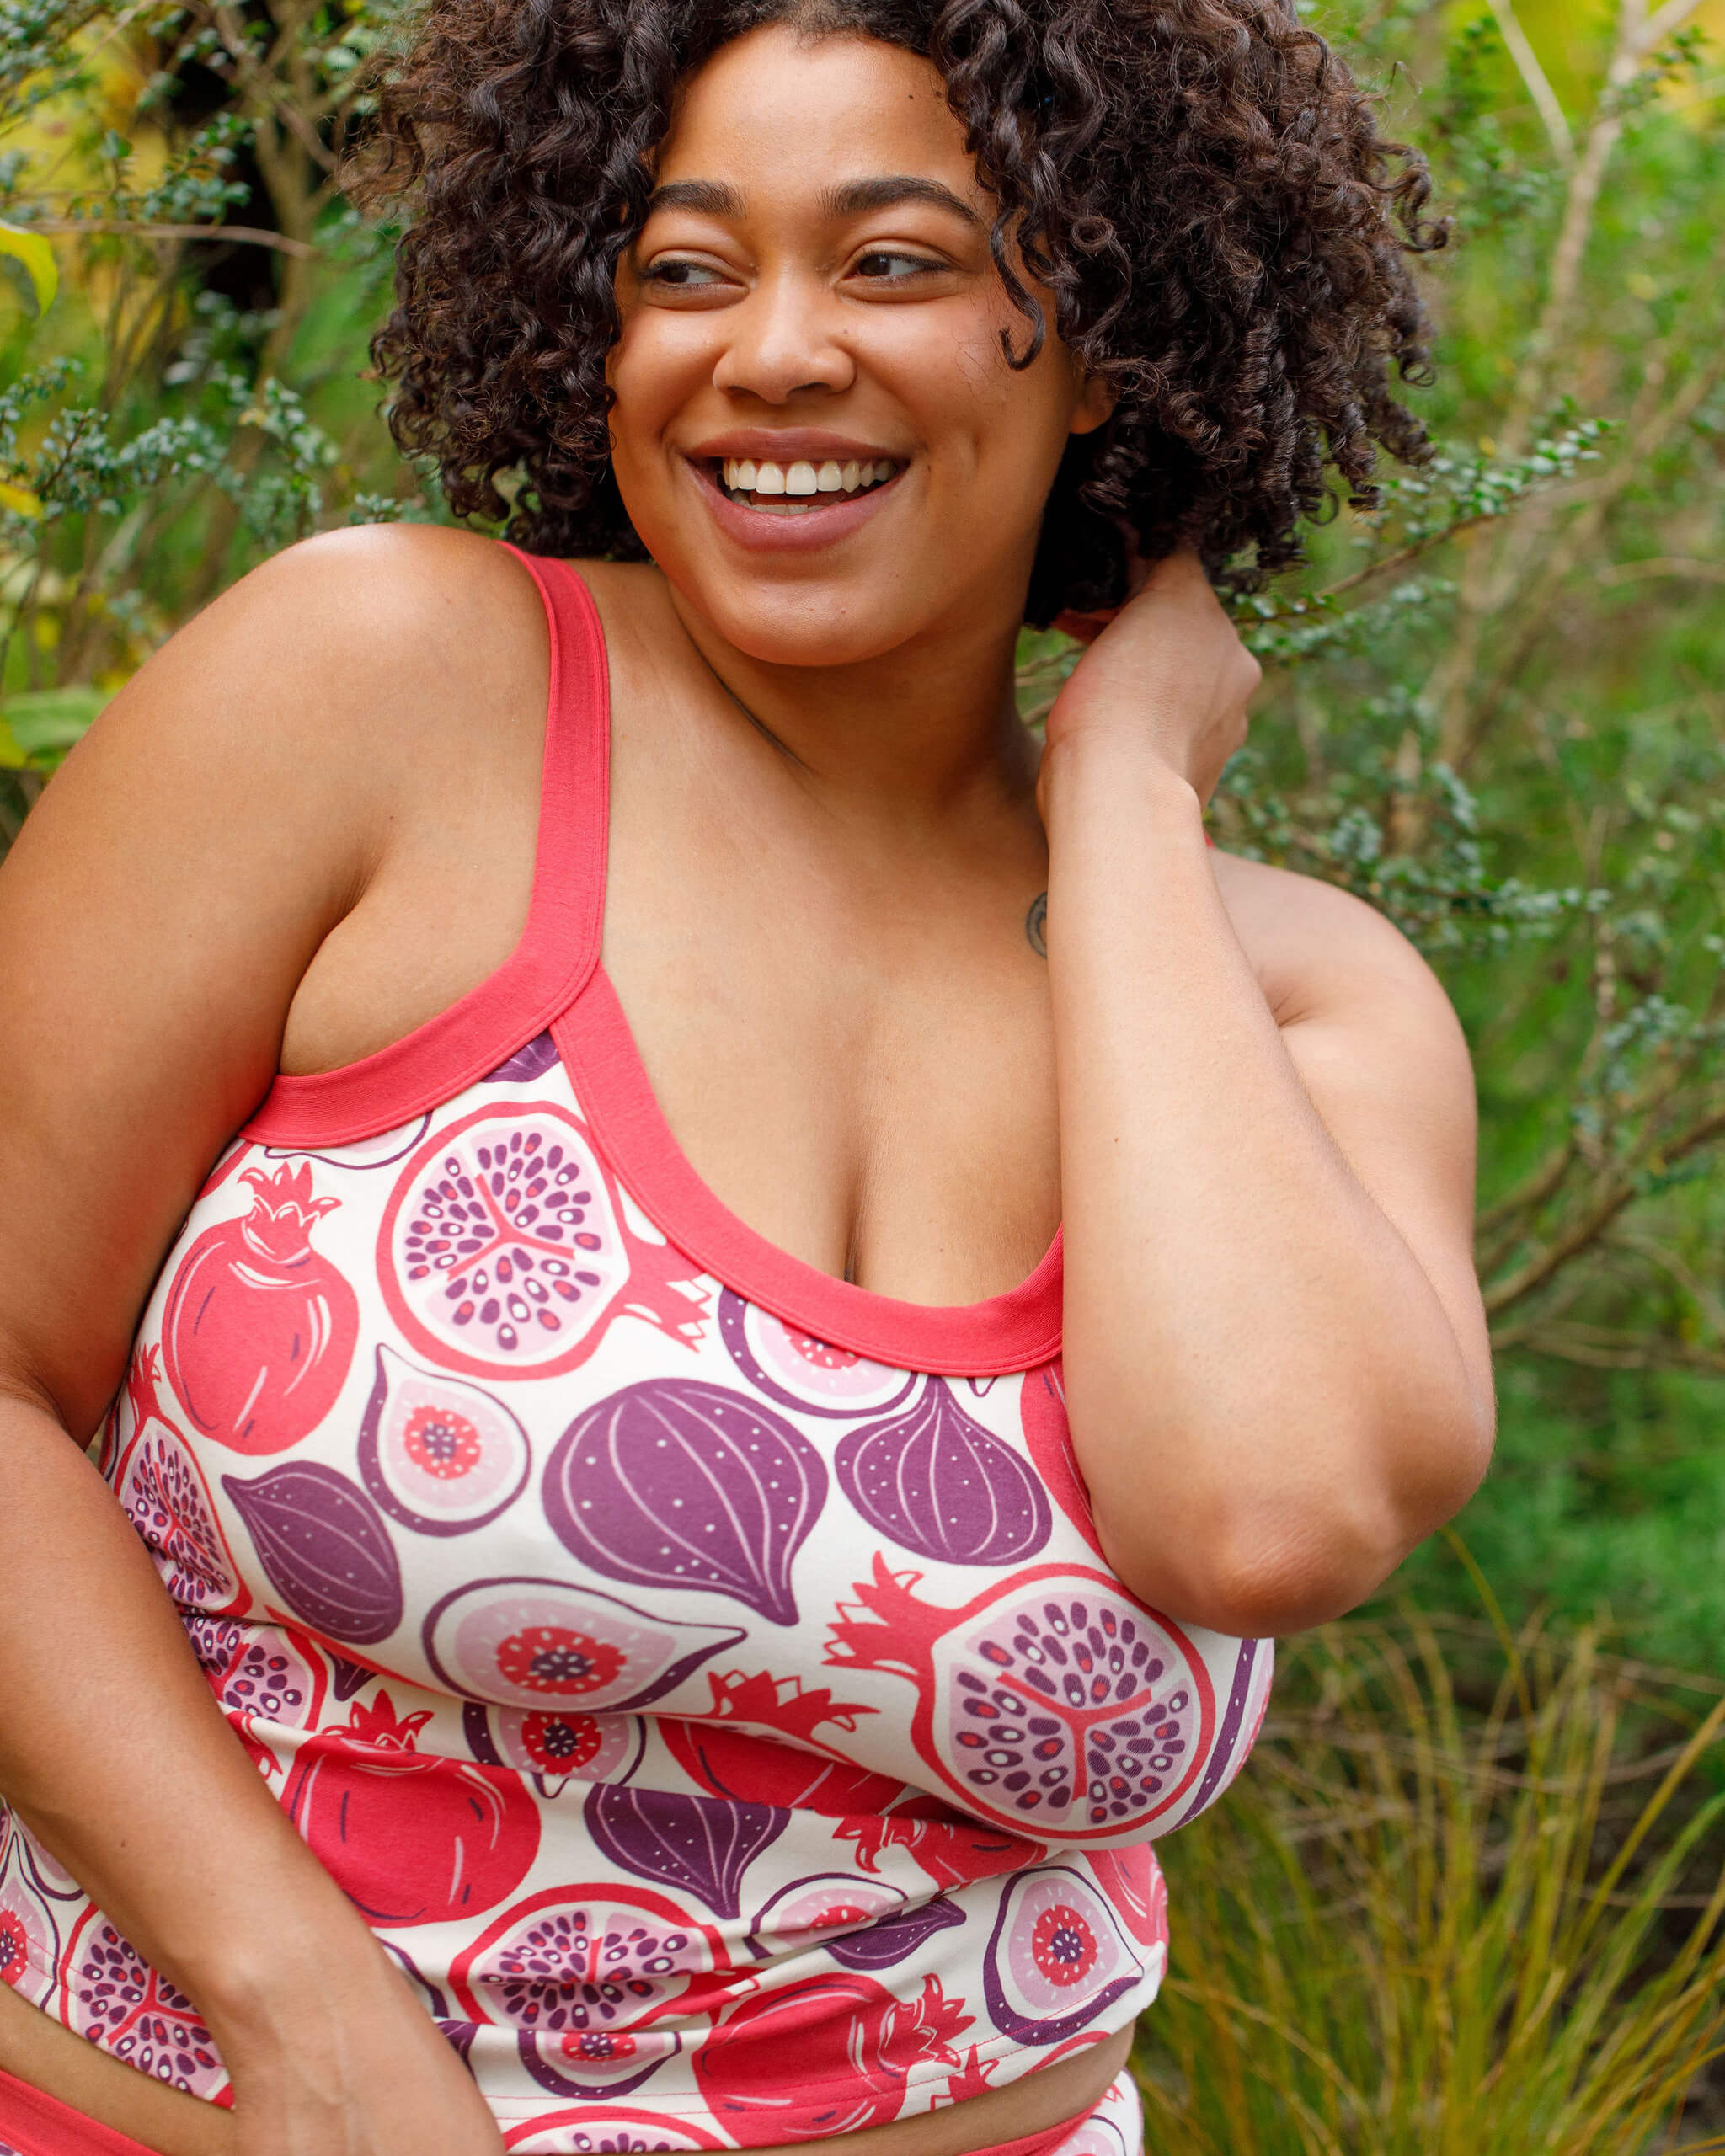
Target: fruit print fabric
(662, 1651)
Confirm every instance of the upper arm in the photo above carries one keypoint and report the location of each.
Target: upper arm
(156, 917)
(1381, 1056)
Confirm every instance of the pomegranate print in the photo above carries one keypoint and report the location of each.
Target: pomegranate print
(506, 1251)
(1133, 1886)
(589, 1962)
(1248, 1695)
(853, 2047)
(797, 1370)
(437, 1454)
(1050, 1700)
(259, 1329)
(1042, 1410)
(605, 2131)
(1056, 1959)
(536, 1644)
(162, 1492)
(411, 1839)
(259, 1670)
(111, 1996)
(751, 1747)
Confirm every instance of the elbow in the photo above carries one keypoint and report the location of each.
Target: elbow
(1280, 1558)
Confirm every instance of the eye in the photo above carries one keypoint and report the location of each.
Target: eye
(676, 272)
(893, 265)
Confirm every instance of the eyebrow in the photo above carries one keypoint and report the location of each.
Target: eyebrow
(853, 197)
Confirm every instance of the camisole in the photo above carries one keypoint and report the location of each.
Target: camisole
(702, 1673)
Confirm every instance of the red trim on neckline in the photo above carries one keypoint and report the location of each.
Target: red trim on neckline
(1013, 1332)
(557, 948)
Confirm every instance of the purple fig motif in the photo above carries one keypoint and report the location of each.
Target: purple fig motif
(528, 1062)
(940, 1484)
(440, 1454)
(325, 1547)
(677, 1483)
(891, 1938)
(698, 1845)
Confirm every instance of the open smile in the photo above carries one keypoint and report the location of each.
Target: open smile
(798, 487)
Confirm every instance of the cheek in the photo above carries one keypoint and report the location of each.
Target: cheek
(657, 362)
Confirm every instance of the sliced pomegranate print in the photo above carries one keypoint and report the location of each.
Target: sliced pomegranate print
(556, 1745)
(587, 1960)
(258, 1669)
(438, 1454)
(538, 1644)
(797, 1370)
(410, 1837)
(1056, 1958)
(854, 2045)
(1042, 1411)
(260, 1328)
(162, 1492)
(110, 1995)
(606, 2132)
(506, 1250)
(1248, 1696)
(809, 1911)
(1050, 1701)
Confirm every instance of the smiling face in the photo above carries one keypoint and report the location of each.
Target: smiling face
(816, 432)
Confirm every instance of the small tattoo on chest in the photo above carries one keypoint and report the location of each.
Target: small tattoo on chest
(1036, 925)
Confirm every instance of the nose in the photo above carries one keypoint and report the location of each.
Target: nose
(783, 338)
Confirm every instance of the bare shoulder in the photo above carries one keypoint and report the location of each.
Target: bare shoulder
(1318, 950)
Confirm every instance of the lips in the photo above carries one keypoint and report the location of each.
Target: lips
(805, 502)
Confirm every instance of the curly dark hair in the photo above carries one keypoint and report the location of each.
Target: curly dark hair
(1198, 184)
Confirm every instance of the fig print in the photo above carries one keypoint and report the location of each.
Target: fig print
(260, 1328)
(110, 1995)
(1056, 1958)
(506, 1250)
(29, 1936)
(539, 1644)
(411, 1839)
(809, 1911)
(589, 1960)
(440, 1454)
(529, 1062)
(1131, 1883)
(677, 1483)
(596, 2061)
(694, 1845)
(382, 1150)
(556, 1745)
(325, 1547)
(1050, 1702)
(795, 1369)
(935, 1482)
(895, 1937)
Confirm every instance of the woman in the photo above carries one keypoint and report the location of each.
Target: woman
(654, 1642)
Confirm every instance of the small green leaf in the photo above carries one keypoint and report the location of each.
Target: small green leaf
(12, 755)
(19, 500)
(34, 253)
(44, 723)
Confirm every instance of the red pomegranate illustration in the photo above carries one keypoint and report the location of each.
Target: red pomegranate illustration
(1050, 1702)
(729, 1755)
(261, 1328)
(410, 1837)
(855, 2046)
(1042, 1411)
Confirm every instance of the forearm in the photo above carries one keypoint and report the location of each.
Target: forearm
(115, 1753)
(1263, 1385)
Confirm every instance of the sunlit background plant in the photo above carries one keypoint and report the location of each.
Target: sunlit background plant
(1442, 1913)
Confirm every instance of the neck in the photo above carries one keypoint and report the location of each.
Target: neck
(911, 736)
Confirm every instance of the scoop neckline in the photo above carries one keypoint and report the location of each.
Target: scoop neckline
(1017, 1330)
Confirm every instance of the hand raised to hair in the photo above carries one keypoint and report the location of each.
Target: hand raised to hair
(1169, 663)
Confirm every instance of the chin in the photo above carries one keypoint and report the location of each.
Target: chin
(842, 624)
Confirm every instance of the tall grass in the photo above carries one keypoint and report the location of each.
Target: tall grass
(1421, 1928)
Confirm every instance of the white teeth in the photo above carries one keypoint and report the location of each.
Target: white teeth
(743, 475)
(850, 477)
(800, 478)
(769, 479)
(747, 473)
(828, 478)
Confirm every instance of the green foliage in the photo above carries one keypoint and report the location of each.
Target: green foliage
(1420, 1930)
